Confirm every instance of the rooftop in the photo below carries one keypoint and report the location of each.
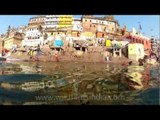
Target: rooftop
(107, 18)
(39, 16)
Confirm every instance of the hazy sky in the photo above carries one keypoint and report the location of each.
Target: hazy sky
(150, 24)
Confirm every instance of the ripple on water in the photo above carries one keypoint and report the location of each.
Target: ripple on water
(95, 78)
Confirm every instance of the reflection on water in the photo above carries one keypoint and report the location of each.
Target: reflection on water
(78, 83)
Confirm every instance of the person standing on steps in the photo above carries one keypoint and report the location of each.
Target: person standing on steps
(56, 56)
(31, 54)
(38, 51)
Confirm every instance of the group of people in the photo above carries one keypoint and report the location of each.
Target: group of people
(152, 56)
(39, 52)
(14, 48)
(31, 51)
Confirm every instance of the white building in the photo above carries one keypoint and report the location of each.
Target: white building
(77, 24)
(33, 37)
(22, 29)
(51, 21)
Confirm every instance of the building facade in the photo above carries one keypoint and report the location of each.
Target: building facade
(77, 27)
(36, 21)
(58, 21)
(22, 29)
(65, 21)
(58, 24)
(108, 25)
(13, 39)
(135, 38)
(51, 21)
(135, 51)
(33, 37)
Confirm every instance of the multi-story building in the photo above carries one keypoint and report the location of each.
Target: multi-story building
(135, 37)
(100, 35)
(58, 21)
(51, 21)
(15, 38)
(22, 29)
(57, 24)
(109, 26)
(36, 21)
(65, 21)
(33, 37)
(77, 27)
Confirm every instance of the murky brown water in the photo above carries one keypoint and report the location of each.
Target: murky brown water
(75, 83)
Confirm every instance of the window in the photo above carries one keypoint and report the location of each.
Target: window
(133, 40)
(90, 25)
(85, 20)
(90, 20)
(94, 25)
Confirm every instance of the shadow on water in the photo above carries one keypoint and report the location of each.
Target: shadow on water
(149, 97)
(77, 83)
(20, 78)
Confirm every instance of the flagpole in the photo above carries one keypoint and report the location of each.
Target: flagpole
(139, 27)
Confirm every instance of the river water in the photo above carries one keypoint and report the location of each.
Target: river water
(77, 83)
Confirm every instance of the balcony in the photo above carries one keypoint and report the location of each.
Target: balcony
(51, 19)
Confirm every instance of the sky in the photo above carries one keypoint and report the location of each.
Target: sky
(150, 24)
